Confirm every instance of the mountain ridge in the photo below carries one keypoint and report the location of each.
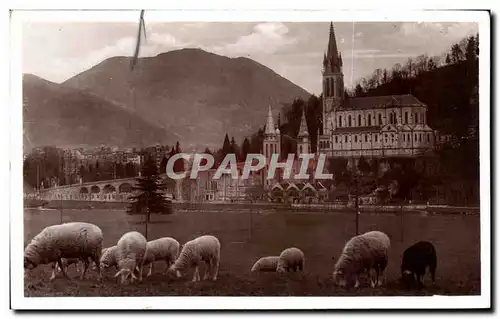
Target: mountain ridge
(196, 94)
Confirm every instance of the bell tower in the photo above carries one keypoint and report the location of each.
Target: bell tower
(333, 83)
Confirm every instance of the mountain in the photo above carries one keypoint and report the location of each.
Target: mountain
(55, 115)
(196, 94)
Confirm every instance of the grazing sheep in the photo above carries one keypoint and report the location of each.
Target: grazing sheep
(416, 259)
(268, 263)
(290, 259)
(361, 253)
(204, 248)
(108, 258)
(69, 240)
(382, 262)
(130, 252)
(165, 248)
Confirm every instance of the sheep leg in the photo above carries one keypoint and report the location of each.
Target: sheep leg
(216, 268)
(63, 271)
(95, 259)
(54, 268)
(432, 270)
(86, 266)
(141, 266)
(208, 269)
(420, 280)
(196, 276)
(167, 265)
(150, 270)
(356, 285)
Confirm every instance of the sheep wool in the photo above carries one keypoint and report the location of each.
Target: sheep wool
(291, 259)
(268, 263)
(108, 258)
(130, 251)
(69, 240)
(204, 248)
(165, 248)
(361, 253)
(383, 258)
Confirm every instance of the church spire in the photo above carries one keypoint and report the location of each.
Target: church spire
(332, 44)
(303, 125)
(269, 130)
(333, 59)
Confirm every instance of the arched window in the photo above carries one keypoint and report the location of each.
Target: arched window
(340, 121)
(369, 120)
(379, 119)
(428, 137)
(366, 138)
(376, 137)
(394, 118)
(346, 138)
(355, 138)
(336, 139)
(416, 118)
(404, 138)
(349, 123)
(422, 118)
(406, 117)
(359, 120)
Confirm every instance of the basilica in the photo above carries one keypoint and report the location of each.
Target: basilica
(377, 126)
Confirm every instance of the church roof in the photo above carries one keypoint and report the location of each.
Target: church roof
(303, 126)
(377, 102)
(269, 130)
(357, 129)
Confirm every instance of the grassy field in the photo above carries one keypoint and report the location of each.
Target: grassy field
(246, 237)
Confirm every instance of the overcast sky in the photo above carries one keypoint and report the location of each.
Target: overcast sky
(58, 51)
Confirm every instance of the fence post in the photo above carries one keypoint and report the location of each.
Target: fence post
(61, 217)
(401, 222)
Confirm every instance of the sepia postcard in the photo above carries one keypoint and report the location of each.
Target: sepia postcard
(250, 160)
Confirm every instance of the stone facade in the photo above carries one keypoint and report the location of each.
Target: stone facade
(378, 126)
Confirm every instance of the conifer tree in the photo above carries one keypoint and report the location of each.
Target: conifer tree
(149, 198)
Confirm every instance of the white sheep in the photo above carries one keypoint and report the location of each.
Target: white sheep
(291, 259)
(165, 248)
(204, 248)
(361, 253)
(108, 257)
(69, 240)
(268, 263)
(382, 264)
(130, 252)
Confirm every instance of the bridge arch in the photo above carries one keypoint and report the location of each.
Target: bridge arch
(109, 189)
(95, 189)
(84, 190)
(125, 188)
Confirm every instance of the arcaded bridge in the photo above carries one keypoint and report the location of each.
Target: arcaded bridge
(109, 190)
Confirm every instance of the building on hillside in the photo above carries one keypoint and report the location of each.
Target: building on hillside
(378, 126)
